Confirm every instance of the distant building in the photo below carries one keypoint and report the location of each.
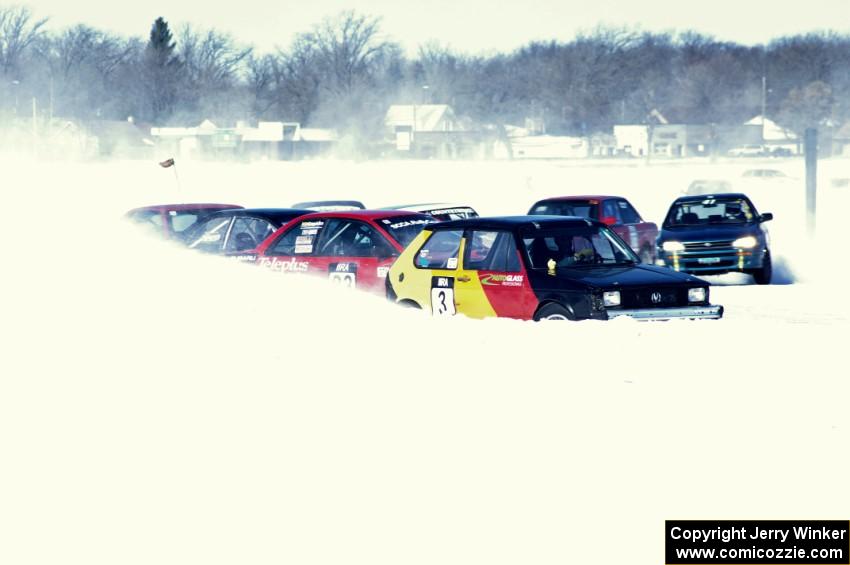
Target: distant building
(434, 131)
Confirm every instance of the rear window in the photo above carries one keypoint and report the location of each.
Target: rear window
(577, 208)
(404, 229)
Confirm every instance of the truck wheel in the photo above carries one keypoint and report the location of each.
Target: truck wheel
(763, 275)
(552, 311)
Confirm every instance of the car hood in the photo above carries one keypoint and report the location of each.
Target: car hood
(710, 232)
(616, 276)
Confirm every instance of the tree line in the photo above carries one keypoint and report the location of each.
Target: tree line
(344, 73)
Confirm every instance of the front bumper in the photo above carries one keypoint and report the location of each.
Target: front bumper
(707, 312)
(711, 262)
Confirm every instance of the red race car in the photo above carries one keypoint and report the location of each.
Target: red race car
(172, 220)
(614, 211)
(353, 248)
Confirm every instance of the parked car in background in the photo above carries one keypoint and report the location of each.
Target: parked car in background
(353, 248)
(708, 186)
(748, 151)
(716, 234)
(539, 268)
(764, 174)
(613, 211)
(172, 220)
(330, 205)
(233, 232)
(440, 212)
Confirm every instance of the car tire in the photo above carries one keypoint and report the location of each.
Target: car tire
(763, 275)
(552, 311)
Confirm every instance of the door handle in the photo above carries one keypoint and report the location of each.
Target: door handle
(464, 278)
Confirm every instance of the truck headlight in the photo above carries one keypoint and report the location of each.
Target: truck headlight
(696, 295)
(746, 242)
(672, 246)
(611, 298)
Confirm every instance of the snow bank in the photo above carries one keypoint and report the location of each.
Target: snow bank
(159, 406)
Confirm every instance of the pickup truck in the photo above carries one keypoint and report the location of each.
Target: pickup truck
(614, 211)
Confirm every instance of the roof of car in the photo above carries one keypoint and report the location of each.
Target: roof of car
(364, 214)
(696, 197)
(188, 206)
(513, 222)
(577, 197)
(271, 214)
(428, 206)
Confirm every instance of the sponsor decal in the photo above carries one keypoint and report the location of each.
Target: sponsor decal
(210, 237)
(343, 274)
(309, 232)
(345, 267)
(382, 272)
(284, 266)
(303, 248)
(304, 240)
(315, 224)
(411, 223)
(445, 211)
(243, 258)
(501, 280)
(451, 263)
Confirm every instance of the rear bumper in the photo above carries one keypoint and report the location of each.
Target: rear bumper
(684, 312)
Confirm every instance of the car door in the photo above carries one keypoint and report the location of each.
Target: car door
(498, 284)
(290, 252)
(353, 253)
(434, 277)
(641, 235)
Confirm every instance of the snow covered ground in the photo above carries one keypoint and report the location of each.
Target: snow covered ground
(159, 406)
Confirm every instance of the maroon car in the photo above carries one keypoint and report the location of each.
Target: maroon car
(614, 211)
(172, 220)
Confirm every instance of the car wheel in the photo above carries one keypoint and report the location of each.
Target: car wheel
(552, 311)
(763, 275)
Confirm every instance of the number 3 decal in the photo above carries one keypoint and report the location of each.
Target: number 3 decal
(442, 296)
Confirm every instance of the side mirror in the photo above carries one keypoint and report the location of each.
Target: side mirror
(766, 217)
(609, 220)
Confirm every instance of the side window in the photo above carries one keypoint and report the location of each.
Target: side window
(209, 236)
(440, 251)
(181, 221)
(247, 233)
(610, 210)
(351, 238)
(300, 239)
(491, 251)
(627, 213)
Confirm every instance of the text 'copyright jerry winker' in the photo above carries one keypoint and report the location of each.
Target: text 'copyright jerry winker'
(810, 542)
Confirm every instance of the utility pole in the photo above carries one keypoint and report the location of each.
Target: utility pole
(763, 103)
(34, 126)
(811, 145)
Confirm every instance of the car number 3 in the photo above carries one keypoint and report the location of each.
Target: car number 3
(343, 279)
(443, 301)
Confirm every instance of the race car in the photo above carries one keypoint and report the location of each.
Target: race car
(330, 205)
(172, 220)
(715, 234)
(539, 268)
(440, 212)
(353, 248)
(238, 231)
(613, 211)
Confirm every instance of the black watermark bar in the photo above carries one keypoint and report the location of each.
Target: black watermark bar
(750, 542)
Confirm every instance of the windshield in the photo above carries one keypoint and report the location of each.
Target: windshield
(577, 208)
(405, 228)
(576, 247)
(710, 211)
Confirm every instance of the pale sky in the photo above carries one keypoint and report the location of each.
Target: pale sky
(472, 26)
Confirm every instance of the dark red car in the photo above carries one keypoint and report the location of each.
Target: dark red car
(353, 248)
(614, 211)
(172, 220)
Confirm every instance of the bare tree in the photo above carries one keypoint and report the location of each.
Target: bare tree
(18, 30)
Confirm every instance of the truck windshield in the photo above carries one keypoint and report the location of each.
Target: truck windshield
(576, 247)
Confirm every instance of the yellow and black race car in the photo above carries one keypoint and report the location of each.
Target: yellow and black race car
(539, 267)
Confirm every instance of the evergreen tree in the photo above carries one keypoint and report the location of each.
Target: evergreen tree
(161, 72)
